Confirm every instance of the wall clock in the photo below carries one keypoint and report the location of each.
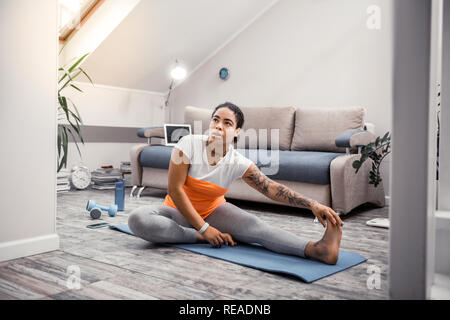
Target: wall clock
(224, 73)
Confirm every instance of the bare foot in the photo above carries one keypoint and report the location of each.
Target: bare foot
(327, 248)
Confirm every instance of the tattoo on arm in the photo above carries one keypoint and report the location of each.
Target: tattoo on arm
(274, 190)
(257, 180)
(294, 198)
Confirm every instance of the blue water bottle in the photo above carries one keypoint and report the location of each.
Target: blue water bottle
(119, 195)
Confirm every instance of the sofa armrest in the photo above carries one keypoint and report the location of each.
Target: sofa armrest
(369, 127)
(350, 189)
(136, 168)
(354, 138)
(149, 132)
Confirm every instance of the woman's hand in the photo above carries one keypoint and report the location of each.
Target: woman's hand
(325, 213)
(217, 238)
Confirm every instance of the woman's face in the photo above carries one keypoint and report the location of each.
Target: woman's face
(223, 126)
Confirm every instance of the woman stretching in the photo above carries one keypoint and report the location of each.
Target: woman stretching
(201, 169)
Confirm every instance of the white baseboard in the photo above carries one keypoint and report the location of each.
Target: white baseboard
(442, 220)
(29, 246)
(440, 290)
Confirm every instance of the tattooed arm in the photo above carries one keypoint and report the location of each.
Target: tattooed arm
(274, 190)
(278, 192)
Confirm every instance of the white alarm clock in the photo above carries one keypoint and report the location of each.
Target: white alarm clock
(80, 177)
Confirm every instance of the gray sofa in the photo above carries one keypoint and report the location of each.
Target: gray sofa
(309, 150)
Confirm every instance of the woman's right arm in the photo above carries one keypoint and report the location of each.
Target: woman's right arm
(178, 171)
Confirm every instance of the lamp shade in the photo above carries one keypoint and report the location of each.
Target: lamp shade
(178, 73)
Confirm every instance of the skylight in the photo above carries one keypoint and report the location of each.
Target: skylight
(72, 14)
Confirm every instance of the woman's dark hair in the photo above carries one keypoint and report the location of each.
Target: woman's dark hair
(237, 112)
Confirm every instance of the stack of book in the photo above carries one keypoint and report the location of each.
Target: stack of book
(104, 178)
(62, 181)
(125, 168)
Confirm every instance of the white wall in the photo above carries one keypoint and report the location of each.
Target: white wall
(303, 53)
(94, 154)
(118, 107)
(28, 64)
(113, 115)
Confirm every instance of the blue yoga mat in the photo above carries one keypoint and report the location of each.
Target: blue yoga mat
(256, 256)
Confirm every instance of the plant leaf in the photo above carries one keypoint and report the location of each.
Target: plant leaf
(66, 74)
(68, 62)
(64, 106)
(77, 120)
(377, 141)
(76, 110)
(63, 161)
(76, 74)
(65, 147)
(69, 80)
(75, 87)
(65, 85)
(74, 140)
(86, 75)
(78, 131)
(78, 62)
(64, 45)
(59, 141)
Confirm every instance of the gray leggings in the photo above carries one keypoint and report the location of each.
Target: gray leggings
(160, 223)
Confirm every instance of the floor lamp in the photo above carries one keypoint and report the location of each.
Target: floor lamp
(177, 73)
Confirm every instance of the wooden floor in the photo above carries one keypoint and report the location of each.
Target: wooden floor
(114, 265)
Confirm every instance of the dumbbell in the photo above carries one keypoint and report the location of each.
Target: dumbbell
(94, 209)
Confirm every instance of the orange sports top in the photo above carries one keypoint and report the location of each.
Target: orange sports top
(207, 185)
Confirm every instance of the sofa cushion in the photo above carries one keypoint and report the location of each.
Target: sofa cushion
(255, 118)
(302, 166)
(280, 118)
(317, 129)
(192, 114)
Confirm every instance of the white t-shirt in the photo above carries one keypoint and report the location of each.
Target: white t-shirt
(229, 168)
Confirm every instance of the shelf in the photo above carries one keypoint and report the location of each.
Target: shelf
(107, 125)
(110, 134)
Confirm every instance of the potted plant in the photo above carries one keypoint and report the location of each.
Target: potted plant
(67, 110)
(376, 151)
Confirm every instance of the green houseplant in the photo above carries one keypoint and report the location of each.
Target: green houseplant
(67, 110)
(376, 151)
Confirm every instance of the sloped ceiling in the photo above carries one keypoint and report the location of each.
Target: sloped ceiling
(139, 53)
